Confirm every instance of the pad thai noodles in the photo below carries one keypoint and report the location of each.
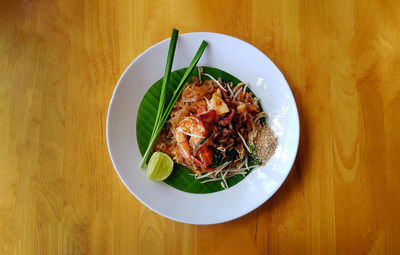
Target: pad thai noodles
(218, 130)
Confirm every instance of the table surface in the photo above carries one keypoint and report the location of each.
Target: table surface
(60, 61)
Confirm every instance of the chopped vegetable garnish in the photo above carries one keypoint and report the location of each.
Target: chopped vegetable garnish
(204, 140)
(255, 158)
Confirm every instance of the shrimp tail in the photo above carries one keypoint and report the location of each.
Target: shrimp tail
(201, 164)
(206, 155)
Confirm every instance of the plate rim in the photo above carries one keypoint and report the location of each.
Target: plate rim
(251, 208)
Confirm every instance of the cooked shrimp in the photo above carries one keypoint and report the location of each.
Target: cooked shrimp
(206, 155)
(195, 129)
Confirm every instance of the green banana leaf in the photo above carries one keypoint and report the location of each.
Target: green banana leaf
(180, 177)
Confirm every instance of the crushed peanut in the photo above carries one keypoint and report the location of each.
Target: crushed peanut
(265, 143)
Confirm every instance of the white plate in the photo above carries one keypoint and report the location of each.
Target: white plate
(243, 61)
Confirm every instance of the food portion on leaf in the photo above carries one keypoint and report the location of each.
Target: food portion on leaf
(209, 129)
(181, 177)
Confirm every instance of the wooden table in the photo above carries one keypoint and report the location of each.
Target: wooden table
(60, 61)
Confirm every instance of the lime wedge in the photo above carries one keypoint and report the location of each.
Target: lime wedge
(160, 166)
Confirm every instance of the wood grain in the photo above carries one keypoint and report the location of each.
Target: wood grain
(60, 61)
